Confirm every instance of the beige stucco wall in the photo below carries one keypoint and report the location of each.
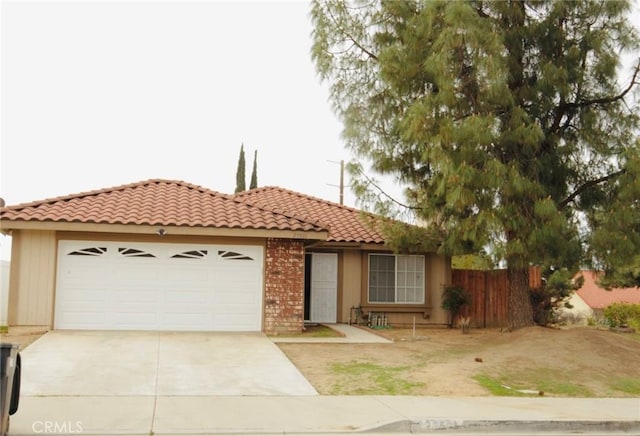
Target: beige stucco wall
(438, 276)
(32, 278)
(351, 283)
(354, 290)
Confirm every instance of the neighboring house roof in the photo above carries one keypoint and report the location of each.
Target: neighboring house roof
(156, 202)
(599, 298)
(345, 224)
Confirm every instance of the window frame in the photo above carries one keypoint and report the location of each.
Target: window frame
(421, 260)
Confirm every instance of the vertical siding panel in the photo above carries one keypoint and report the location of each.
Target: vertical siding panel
(26, 279)
(14, 278)
(35, 282)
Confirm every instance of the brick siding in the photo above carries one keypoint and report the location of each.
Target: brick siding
(284, 287)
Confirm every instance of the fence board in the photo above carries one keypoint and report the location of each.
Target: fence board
(489, 291)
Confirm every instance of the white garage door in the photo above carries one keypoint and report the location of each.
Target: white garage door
(147, 286)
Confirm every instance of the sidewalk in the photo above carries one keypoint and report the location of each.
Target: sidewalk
(184, 415)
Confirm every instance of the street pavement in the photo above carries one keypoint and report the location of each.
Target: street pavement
(189, 415)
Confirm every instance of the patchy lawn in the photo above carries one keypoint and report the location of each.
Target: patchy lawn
(572, 362)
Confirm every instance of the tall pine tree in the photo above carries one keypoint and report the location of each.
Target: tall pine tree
(240, 172)
(504, 120)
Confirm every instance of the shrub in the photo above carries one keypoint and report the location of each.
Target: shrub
(619, 314)
(553, 295)
(454, 298)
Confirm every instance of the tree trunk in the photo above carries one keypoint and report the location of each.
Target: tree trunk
(520, 309)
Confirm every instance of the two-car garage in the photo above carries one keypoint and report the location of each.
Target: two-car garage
(107, 285)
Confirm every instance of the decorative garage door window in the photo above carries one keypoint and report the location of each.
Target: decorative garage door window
(134, 252)
(193, 254)
(91, 251)
(232, 255)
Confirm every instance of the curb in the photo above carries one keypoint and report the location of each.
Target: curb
(462, 426)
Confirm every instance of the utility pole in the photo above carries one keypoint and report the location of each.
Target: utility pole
(341, 186)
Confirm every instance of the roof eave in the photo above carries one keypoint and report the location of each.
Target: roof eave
(317, 235)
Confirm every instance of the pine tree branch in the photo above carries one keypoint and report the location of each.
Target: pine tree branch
(606, 100)
(384, 193)
(349, 37)
(589, 184)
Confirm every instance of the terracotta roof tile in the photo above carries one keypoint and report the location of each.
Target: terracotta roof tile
(156, 202)
(345, 224)
(599, 298)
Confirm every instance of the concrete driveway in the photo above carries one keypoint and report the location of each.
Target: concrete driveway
(110, 363)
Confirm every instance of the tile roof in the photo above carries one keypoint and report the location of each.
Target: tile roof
(599, 298)
(156, 202)
(345, 224)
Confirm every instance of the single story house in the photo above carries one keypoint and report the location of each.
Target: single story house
(590, 300)
(169, 255)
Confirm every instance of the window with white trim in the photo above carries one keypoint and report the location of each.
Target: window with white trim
(396, 279)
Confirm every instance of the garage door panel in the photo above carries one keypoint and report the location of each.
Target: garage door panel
(133, 321)
(84, 318)
(83, 294)
(192, 298)
(146, 286)
(234, 299)
(235, 323)
(186, 321)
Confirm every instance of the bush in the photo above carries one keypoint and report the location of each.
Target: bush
(454, 298)
(620, 314)
(547, 300)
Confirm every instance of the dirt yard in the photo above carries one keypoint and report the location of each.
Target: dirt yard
(580, 362)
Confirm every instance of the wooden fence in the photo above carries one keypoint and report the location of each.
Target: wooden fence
(489, 292)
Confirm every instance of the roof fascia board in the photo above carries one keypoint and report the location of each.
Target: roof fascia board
(6, 226)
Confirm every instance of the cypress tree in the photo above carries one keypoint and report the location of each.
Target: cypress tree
(254, 173)
(240, 172)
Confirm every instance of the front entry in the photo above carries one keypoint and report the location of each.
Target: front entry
(321, 287)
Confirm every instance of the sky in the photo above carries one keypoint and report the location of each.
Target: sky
(100, 94)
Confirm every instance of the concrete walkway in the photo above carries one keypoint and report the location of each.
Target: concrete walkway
(185, 415)
(352, 335)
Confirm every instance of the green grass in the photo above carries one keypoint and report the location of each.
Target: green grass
(365, 378)
(4, 329)
(496, 387)
(544, 380)
(627, 385)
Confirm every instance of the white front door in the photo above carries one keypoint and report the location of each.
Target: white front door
(324, 287)
(106, 285)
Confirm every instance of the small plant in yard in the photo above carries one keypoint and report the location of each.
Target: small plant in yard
(464, 322)
(454, 298)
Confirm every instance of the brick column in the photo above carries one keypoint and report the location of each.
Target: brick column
(284, 286)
